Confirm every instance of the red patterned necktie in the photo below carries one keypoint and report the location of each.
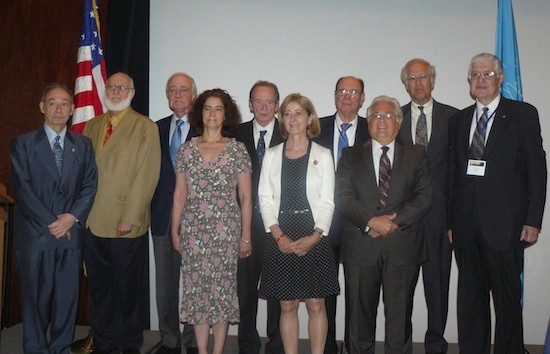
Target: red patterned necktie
(108, 132)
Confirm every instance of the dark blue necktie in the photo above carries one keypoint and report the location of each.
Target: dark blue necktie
(478, 141)
(260, 149)
(58, 153)
(176, 141)
(343, 139)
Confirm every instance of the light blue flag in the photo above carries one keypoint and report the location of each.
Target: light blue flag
(507, 51)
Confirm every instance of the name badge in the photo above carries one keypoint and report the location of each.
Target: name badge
(476, 168)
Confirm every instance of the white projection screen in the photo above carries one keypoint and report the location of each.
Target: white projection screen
(306, 45)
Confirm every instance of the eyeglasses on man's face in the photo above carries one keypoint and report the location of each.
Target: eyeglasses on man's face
(487, 75)
(344, 92)
(121, 88)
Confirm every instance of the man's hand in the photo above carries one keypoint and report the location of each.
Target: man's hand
(530, 234)
(382, 225)
(60, 227)
(123, 228)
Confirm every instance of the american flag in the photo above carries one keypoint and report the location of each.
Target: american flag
(89, 87)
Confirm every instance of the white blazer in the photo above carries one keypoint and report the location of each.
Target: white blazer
(319, 185)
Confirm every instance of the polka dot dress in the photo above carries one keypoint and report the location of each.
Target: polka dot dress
(287, 276)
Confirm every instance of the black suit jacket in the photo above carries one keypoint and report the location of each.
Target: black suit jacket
(438, 157)
(513, 191)
(41, 193)
(326, 139)
(161, 204)
(245, 134)
(357, 198)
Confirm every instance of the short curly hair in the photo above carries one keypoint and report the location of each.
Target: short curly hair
(232, 114)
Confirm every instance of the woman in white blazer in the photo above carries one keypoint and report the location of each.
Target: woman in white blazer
(296, 193)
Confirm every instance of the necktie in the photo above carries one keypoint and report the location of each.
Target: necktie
(58, 153)
(260, 149)
(478, 141)
(343, 139)
(384, 177)
(176, 141)
(108, 132)
(421, 137)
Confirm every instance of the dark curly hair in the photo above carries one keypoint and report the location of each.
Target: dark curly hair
(232, 113)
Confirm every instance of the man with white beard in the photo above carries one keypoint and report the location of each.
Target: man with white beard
(127, 149)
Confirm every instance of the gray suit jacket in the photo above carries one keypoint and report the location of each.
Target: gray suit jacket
(410, 196)
(438, 158)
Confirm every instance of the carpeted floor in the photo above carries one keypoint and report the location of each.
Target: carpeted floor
(11, 343)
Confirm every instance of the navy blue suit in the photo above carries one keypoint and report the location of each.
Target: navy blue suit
(167, 260)
(50, 268)
(326, 139)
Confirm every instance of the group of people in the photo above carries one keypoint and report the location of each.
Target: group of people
(270, 208)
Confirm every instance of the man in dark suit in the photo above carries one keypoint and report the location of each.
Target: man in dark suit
(54, 180)
(383, 189)
(173, 131)
(342, 129)
(426, 123)
(127, 150)
(498, 179)
(258, 135)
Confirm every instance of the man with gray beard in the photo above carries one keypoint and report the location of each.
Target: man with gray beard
(127, 150)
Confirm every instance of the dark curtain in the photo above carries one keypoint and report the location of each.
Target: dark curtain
(128, 46)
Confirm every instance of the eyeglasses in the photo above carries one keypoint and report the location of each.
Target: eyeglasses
(343, 92)
(258, 102)
(121, 88)
(422, 77)
(484, 75)
(385, 115)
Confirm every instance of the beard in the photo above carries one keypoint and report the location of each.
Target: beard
(118, 107)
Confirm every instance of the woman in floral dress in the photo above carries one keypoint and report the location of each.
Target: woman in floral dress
(212, 231)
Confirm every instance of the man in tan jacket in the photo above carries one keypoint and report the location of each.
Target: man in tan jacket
(127, 150)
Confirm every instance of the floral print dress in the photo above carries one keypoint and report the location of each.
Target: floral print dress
(209, 233)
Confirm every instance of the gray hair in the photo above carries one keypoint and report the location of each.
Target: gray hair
(398, 112)
(487, 56)
(405, 69)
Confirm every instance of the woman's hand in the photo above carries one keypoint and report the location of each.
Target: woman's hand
(303, 245)
(245, 248)
(285, 244)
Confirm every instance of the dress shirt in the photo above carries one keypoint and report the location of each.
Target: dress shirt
(184, 128)
(350, 133)
(52, 134)
(267, 137)
(377, 153)
(478, 111)
(415, 113)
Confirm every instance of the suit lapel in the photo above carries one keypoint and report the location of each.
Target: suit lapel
(121, 133)
(164, 135)
(463, 135)
(69, 156)
(499, 125)
(405, 130)
(44, 151)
